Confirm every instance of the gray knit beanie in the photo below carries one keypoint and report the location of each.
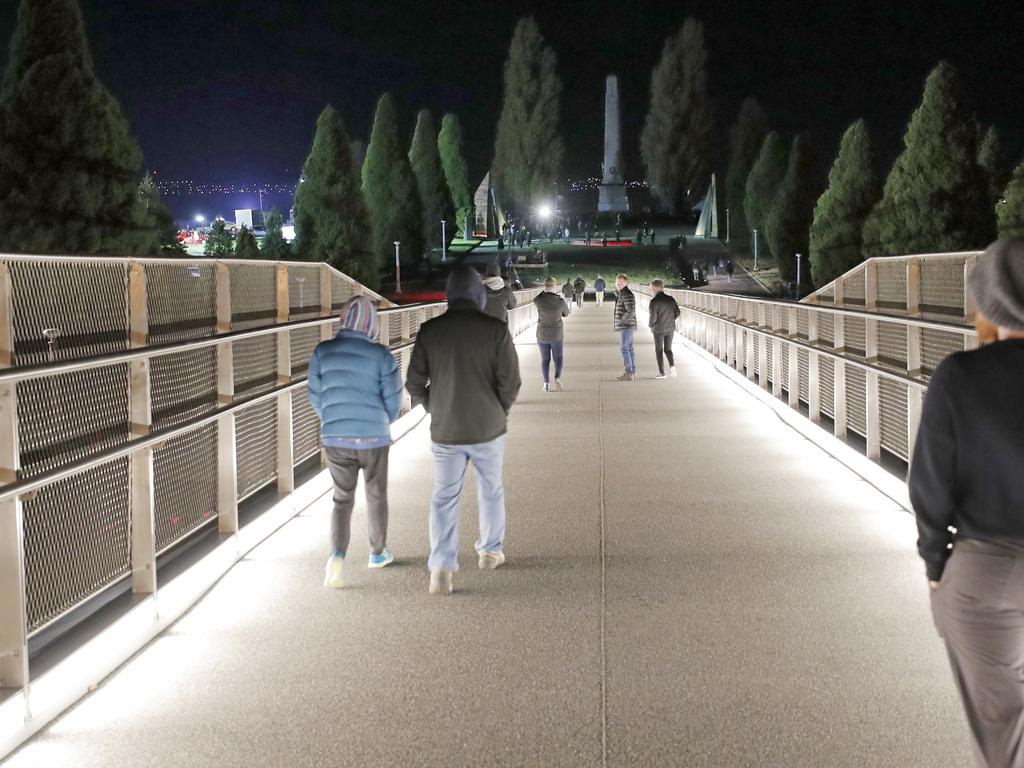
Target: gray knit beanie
(997, 284)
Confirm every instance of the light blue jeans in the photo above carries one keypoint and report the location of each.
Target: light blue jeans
(450, 464)
(626, 347)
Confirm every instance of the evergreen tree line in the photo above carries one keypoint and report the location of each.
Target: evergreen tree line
(949, 189)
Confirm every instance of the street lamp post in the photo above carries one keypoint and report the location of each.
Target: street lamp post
(444, 241)
(398, 269)
(727, 225)
(755, 250)
(798, 257)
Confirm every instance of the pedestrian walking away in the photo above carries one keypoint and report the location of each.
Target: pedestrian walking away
(599, 289)
(662, 314)
(624, 321)
(500, 296)
(465, 372)
(966, 477)
(568, 292)
(551, 308)
(579, 287)
(729, 268)
(355, 387)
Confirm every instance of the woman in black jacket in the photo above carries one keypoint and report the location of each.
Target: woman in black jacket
(968, 475)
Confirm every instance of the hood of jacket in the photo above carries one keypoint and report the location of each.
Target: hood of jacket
(495, 283)
(464, 285)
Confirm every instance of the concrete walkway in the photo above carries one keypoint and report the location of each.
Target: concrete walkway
(690, 583)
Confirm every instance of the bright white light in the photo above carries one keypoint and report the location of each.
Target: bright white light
(200, 219)
(545, 211)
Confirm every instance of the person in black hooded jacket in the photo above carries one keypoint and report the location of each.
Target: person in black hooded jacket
(662, 314)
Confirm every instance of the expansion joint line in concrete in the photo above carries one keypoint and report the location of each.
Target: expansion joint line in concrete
(604, 580)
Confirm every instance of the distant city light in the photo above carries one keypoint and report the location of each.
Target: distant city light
(544, 211)
(200, 219)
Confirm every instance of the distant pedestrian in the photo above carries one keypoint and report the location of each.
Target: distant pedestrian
(662, 313)
(604, 239)
(618, 235)
(639, 237)
(501, 243)
(729, 269)
(465, 371)
(500, 296)
(551, 308)
(652, 238)
(355, 387)
(966, 477)
(568, 292)
(599, 289)
(624, 322)
(579, 286)
(566, 235)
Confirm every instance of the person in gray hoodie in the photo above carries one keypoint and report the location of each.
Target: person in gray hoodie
(500, 296)
(465, 371)
(551, 308)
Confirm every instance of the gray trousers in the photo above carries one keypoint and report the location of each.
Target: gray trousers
(344, 464)
(979, 612)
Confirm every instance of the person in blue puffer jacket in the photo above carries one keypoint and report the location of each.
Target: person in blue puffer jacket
(355, 387)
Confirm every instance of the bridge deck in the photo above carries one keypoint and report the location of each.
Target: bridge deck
(690, 583)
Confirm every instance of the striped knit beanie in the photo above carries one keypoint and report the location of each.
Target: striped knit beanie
(997, 283)
(360, 315)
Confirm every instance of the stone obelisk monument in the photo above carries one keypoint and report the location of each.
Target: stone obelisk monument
(612, 192)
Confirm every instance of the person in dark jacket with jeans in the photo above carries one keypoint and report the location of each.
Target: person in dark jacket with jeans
(579, 287)
(662, 314)
(355, 387)
(624, 321)
(465, 371)
(599, 287)
(500, 297)
(551, 308)
(967, 475)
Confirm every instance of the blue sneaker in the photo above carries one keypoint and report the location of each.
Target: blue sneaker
(379, 561)
(334, 572)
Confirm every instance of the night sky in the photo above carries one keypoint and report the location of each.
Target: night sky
(228, 90)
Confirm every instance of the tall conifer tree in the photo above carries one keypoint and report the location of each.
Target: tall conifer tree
(853, 190)
(69, 167)
(763, 180)
(161, 218)
(389, 188)
(789, 220)
(936, 197)
(274, 245)
(456, 171)
(676, 141)
(331, 222)
(993, 163)
(246, 246)
(745, 140)
(430, 181)
(1010, 211)
(528, 149)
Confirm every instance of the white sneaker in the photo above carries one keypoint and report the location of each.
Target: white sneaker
(661, 376)
(441, 582)
(558, 385)
(334, 572)
(491, 560)
(672, 372)
(547, 387)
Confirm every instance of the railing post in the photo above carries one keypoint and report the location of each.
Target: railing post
(873, 416)
(839, 398)
(285, 447)
(406, 327)
(13, 605)
(970, 307)
(871, 285)
(143, 502)
(227, 456)
(915, 401)
(813, 369)
(913, 288)
(777, 373)
(326, 301)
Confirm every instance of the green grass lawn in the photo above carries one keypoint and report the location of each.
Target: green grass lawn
(642, 263)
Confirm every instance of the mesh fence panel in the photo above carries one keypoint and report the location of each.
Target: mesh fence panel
(853, 288)
(83, 306)
(253, 295)
(77, 540)
(341, 291)
(182, 301)
(803, 366)
(856, 399)
(826, 329)
(892, 399)
(185, 485)
(826, 384)
(64, 418)
(304, 291)
(255, 364)
(305, 427)
(183, 386)
(855, 329)
(892, 286)
(802, 324)
(256, 447)
(303, 342)
(942, 289)
(935, 345)
(892, 345)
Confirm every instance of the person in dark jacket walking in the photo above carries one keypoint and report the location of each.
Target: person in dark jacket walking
(465, 371)
(355, 387)
(599, 289)
(500, 296)
(729, 269)
(550, 332)
(579, 286)
(568, 292)
(966, 475)
(624, 321)
(662, 314)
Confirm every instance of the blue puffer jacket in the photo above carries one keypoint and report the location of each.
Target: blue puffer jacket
(355, 386)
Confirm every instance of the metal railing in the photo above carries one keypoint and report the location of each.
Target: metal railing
(930, 286)
(867, 372)
(166, 393)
